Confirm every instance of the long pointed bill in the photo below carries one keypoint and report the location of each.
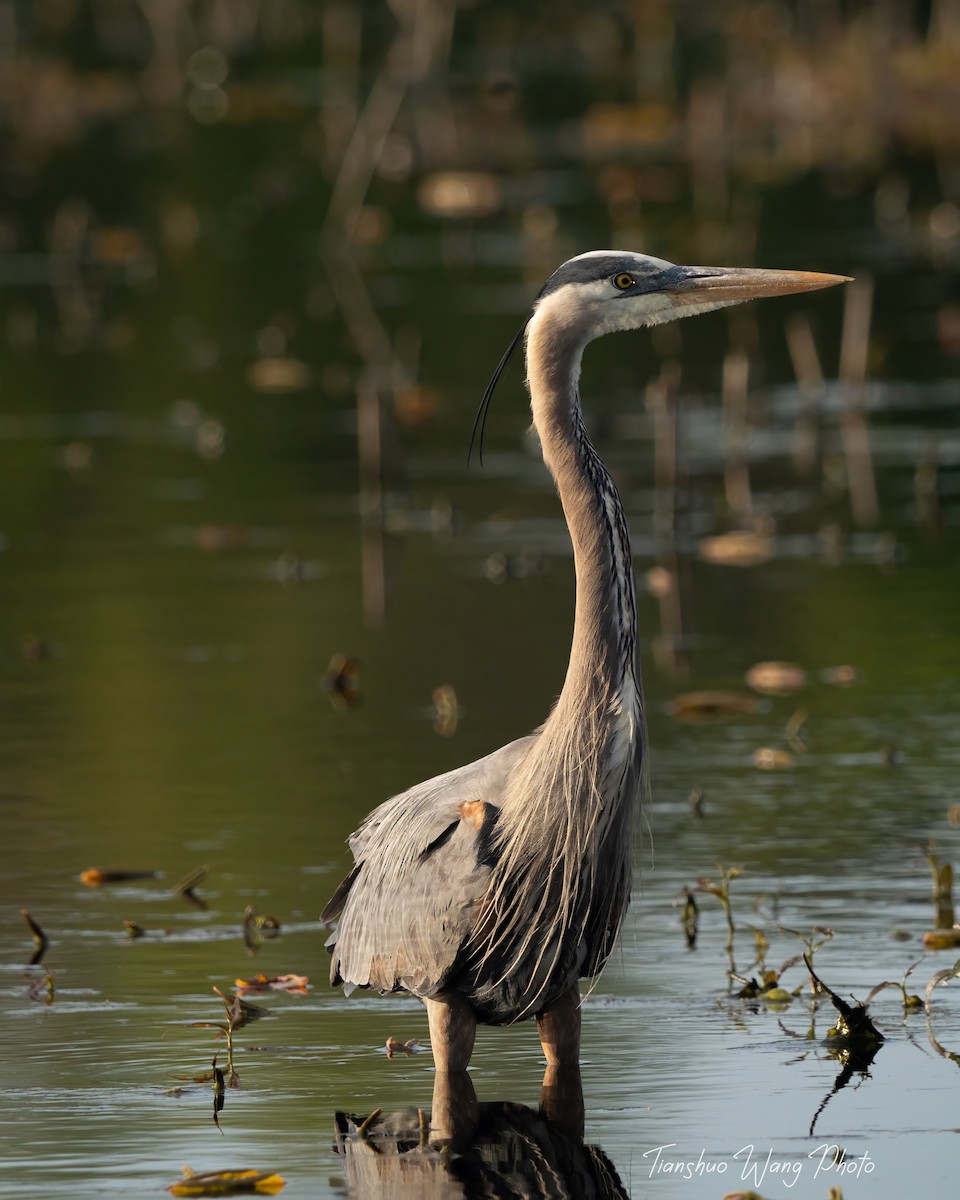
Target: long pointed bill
(726, 285)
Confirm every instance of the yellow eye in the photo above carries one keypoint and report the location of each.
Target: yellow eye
(623, 281)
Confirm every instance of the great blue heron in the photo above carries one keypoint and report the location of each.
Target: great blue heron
(490, 891)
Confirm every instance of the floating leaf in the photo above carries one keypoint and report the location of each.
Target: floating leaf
(766, 758)
(227, 1183)
(278, 983)
(697, 705)
(739, 548)
(942, 939)
(395, 1046)
(842, 676)
(279, 374)
(94, 877)
(768, 991)
(776, 678)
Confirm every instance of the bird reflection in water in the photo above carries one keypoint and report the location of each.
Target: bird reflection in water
(465, 1150)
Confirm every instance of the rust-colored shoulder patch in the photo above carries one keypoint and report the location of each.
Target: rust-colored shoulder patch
(473, 812)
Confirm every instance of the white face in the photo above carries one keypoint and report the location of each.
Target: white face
(613, 290)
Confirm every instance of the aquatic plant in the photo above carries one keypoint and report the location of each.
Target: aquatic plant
(720, 887)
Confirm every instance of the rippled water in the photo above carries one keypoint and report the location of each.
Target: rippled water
(178, 719)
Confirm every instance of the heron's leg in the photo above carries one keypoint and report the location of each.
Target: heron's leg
(559, 1029)
(453, 1119)
(453, 1027)
(561, 1098)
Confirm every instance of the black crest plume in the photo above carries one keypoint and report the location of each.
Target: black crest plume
(480, 422)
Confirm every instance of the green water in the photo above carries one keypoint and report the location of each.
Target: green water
(182, 554)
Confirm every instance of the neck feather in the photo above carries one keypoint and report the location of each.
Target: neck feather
(562, 883)
(604, 648)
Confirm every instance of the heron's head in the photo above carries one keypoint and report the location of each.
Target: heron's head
(609, 290)
(605, 291)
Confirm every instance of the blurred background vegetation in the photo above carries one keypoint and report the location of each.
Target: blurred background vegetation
(228, 228)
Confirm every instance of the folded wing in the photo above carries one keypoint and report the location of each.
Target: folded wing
(423, 864)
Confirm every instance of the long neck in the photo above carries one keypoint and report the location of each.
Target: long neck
(566, 819)
(603, 653)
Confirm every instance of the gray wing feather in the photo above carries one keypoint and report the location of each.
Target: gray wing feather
(410, 903)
